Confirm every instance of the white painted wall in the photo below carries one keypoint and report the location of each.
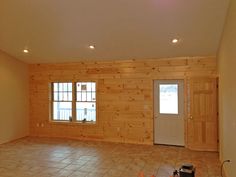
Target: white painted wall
(13, 98)
(227, 92)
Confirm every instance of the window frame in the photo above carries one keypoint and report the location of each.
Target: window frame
(52, 101)
(73, 102)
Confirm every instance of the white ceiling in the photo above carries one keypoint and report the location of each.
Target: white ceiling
(62, 30)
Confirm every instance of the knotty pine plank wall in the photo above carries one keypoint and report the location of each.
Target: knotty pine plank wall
(124, 95)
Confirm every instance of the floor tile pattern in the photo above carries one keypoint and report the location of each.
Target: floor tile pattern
(50, 157)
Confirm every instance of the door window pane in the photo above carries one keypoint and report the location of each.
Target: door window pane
(168, 98)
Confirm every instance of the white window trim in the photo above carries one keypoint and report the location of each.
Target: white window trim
(73, 120)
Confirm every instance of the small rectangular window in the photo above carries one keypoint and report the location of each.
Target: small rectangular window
(168, 98)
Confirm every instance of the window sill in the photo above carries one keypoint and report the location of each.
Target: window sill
(72, 123)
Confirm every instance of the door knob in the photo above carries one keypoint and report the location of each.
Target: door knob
(191, 117)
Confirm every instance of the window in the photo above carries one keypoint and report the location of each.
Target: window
(62, 101)
(75, 102)
(168, 98)
(85, 101)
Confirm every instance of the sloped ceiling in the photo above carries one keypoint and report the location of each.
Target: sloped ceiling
(62, 30)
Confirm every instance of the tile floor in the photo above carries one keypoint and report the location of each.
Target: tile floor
(44, 157)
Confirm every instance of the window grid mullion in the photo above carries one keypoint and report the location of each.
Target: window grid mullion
(67, 93)
(52, 100)
(57, 91)
(73, 102)
(86, 92)
(91, 94)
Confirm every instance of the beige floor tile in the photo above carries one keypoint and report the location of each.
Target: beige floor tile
(51, 157)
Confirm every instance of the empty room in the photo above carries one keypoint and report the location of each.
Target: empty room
(138, 88)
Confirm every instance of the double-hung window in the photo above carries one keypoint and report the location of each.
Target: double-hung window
(73, 101)
(62, 101)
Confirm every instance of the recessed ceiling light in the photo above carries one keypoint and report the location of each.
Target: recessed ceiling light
(26, 51)
(174, 41)
(92, 47)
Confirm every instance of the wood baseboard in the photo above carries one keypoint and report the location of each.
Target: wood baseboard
(16, 139)
(91, 139)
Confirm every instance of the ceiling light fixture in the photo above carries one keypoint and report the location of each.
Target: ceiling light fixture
(174, 41)
(26, 51)
(92, 47)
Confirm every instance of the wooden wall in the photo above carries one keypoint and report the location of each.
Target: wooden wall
(124, 95)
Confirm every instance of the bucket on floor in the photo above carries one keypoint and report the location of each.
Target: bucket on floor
(187, 170)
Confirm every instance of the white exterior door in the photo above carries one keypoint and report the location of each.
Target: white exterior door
(169, 112)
